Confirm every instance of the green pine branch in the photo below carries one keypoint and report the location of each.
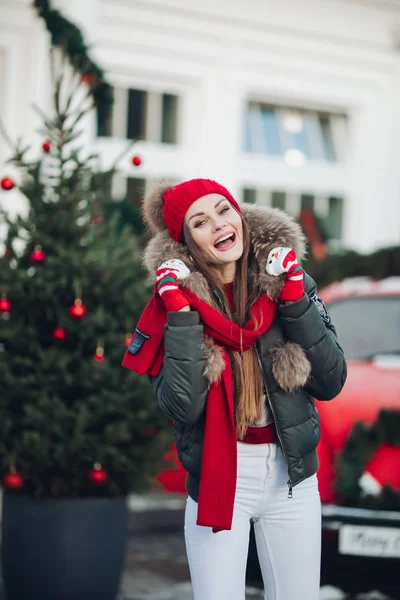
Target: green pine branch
(67, 36)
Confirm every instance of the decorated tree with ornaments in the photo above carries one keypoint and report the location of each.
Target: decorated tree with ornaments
(73, 422)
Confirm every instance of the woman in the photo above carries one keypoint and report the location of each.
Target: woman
(237, 345)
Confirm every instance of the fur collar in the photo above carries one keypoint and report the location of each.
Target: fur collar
(269, 227)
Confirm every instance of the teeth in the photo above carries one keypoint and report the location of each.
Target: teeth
(226, 237)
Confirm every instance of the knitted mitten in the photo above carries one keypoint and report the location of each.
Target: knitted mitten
(167, 286)
(284, 260)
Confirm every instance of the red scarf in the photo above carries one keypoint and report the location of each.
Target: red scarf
(219, 464)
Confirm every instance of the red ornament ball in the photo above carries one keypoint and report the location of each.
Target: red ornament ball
(5, 305)
(98, 475)
(12, 481)
(97, 219)
(137, 161)
(128, 339)
(37, 255)
(99, 356)
(6, 253)
(88, 78)
(59, 333)
(78, 310)
(151, 432)
(7, 183)
(46, 146)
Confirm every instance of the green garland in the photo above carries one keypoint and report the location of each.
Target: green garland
(380, 264)
(362, 443)
(66, 34)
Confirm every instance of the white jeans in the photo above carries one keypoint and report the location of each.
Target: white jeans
(287, 532)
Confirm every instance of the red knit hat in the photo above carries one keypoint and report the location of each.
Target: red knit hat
(178, 199)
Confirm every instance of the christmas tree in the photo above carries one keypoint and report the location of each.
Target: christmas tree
(73, 422)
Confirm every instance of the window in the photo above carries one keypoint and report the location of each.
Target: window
(333, 222)
(249, 196)
(326, 211)
(104, 126)
(169, 119)
(296, 135)
(136, 189)
(136, 118)
(142, 115)
(328, 151)
(307, 201)
(261, 130)
(355, 320)
(278, 199)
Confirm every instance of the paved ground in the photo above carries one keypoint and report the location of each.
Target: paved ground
(156, 569)
(156, 565)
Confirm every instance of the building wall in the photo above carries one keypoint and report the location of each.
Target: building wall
(335, 56)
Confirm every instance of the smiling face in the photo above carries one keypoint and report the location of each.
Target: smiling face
(216, 228)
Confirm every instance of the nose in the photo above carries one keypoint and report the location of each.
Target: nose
(219, 223)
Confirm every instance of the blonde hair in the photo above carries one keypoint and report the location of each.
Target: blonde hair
(247, 375)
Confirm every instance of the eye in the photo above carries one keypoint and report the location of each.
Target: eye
(198, 224)
(225, 209)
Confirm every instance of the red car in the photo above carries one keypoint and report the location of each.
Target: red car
(360, 547)
(366, 315)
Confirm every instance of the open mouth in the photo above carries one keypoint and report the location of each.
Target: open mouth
(226, 242)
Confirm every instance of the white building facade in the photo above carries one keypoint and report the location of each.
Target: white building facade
(294, 104)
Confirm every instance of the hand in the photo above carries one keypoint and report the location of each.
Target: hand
(167, 286)
(284, 260)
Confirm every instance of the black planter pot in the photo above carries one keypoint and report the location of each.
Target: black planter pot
(63, 549)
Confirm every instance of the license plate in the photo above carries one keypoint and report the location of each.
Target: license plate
(362, 540)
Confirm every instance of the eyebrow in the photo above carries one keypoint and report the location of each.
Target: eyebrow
(202, 213)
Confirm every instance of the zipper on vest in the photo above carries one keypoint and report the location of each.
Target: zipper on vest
(290, 493)
(264, 376)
